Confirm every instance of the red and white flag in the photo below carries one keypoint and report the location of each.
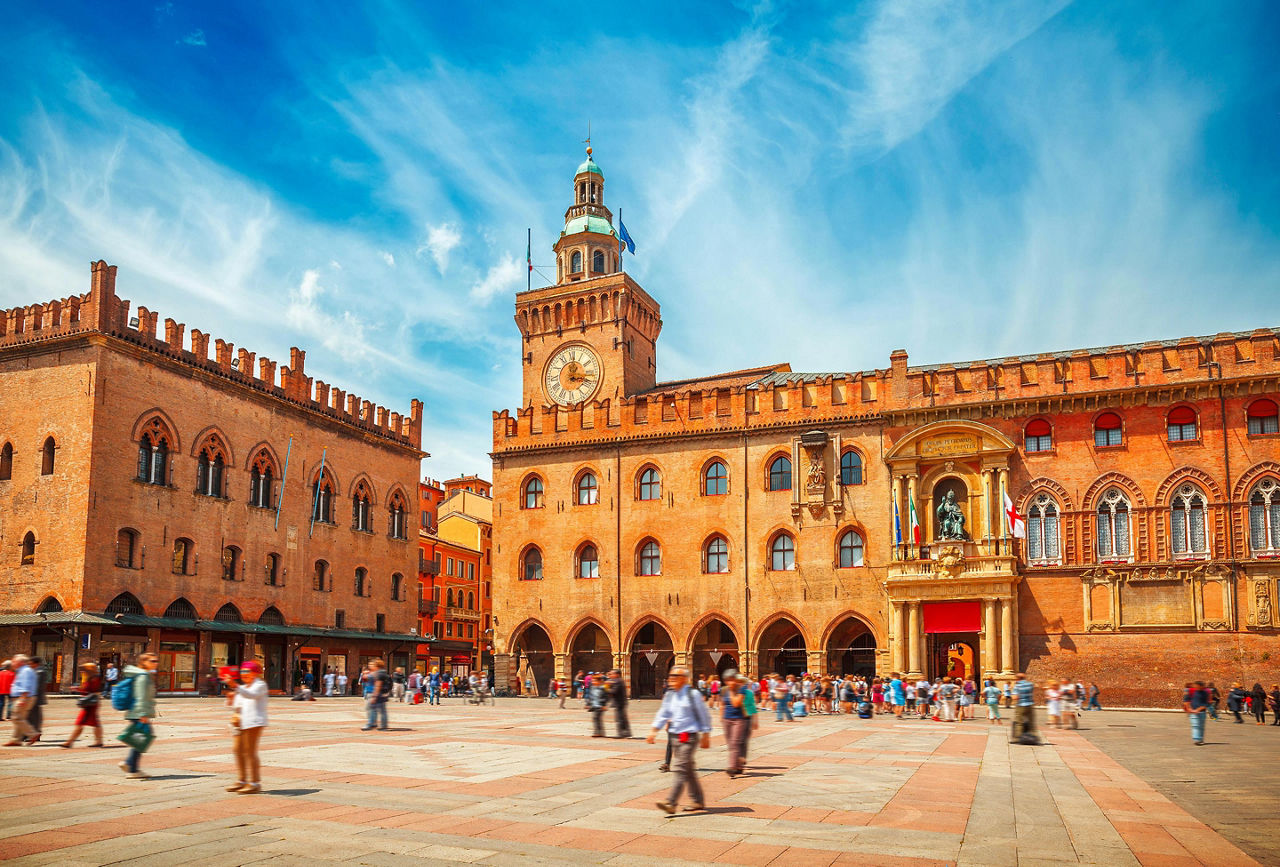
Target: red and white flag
(1017, 523)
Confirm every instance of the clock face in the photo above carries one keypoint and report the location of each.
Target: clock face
(572, 374)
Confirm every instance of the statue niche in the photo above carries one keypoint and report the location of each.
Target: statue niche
(952, 498)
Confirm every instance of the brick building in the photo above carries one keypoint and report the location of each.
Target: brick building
(762, 519)
(208, 509)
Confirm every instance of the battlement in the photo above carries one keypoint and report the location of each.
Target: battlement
(101, 310)
(776, 396)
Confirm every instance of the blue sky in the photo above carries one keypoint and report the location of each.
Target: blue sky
(817, 183)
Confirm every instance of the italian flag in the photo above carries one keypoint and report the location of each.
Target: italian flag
(914, 522)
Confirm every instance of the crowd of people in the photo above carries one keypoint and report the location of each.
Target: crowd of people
(1201, 701)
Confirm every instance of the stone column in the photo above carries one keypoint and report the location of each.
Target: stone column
(912, 552)
(817, 662)
(898, 660)
(915, 644)
(986, 506)
(748, 660)
(562, 666)
(990, 641)
(1004, 525)
(1008, 664)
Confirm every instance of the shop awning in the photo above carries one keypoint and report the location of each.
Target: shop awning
(952, 616)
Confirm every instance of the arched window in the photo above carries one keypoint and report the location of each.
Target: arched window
(1264, 418)
(125, 603)
(181, 609)
(851, 468)
(361, 517)
(322, 498)
(471, 601)
(448, 600)
(1182, 424)
(6, 462)
(153, 459)
(650, 558)
(782, 553)
(228, 614)
(588, 562)
(126, 548)
(231, 556)
(1108, 430)
(320, 576)
(850, 549)
(1042, 530)
(715, 481)
(588, 489)
(261, 492)
(271, 617)
(532, 562)
(597, 262)
(650, 484)
(1113, 526)
(362, 581)
(397, 586)
(780, 473)
(715, 556)
(1264, 517)
(46, 457)
(532, 496)
(575, 262)
(182, 560)
(29, 549)
(49, 606)
(272, 570)
(1039, 436)
(396, 517)
(210, 468)
(1187, 521)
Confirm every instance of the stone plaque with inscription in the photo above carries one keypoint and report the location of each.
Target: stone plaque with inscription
(1156, 603)
(949, 445)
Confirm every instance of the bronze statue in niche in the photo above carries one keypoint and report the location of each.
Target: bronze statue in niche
(950, 518)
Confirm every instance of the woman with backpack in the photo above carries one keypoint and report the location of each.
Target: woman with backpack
(135, 694)
(90, 690)
(248, 719)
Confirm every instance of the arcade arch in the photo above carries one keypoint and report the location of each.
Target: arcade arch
(533, 655)
(652, 654)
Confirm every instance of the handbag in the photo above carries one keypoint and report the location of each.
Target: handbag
(89, 700)
(138, 736)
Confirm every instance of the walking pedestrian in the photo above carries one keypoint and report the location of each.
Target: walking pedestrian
(23, 694)
(341, 680)
(433, 686)
(90, 689)
(737, 722)
(991, 697)
(1235, 701)
(6, 683)
(685, 714)
(595, 701)
(1274, 701)
(330, 682)
(1023, 730)
(780, 692)
(1258, 702)
(141, 708)
(36, 717)
(248, 720)
(564, 690)
(378, 692)
(617, 691)
(398, 681)
(1053, 700)
(897, 694)
(1094, 704)
(110, 676)
(1195, 703)
(1215, 698)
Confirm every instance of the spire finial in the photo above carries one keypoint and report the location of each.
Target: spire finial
(587, 140)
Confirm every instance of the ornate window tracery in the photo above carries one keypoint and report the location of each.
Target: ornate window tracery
(1264, 518)
(1113, 526)
(1043, 531)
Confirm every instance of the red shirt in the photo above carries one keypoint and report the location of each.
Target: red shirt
(6, 681)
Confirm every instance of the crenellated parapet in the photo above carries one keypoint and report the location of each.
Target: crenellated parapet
(101, 310)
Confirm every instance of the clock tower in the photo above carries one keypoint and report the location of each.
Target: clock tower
(593, 335)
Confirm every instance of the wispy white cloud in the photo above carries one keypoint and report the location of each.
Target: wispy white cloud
(502, 278)
(388, 258)
(440, 242)
(196, 38)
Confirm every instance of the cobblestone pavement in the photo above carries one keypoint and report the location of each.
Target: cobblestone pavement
(522, 783)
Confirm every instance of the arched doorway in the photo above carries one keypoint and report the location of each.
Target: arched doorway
(851, 649)
(532, 654)
(782, 649)
(714, 650)
(591, 651)
(651, 656)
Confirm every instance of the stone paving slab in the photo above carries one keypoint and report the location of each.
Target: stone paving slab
(523, 783)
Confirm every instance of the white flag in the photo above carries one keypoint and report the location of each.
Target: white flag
(1017, 523)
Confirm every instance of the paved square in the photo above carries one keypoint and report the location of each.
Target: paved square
(523, 783)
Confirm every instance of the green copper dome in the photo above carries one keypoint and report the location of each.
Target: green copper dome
(589, 166)
(589, 224)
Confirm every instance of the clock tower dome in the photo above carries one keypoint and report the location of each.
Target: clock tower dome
(593, 335)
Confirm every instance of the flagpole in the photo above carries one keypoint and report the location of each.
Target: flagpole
(622, 247)
(528, 257)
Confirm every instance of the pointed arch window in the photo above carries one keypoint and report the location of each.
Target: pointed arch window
(1181, 425)
(715, 481)
(780, 473)
(1113, 526)
(46, 456)
(261, 479)
(6, 462)
(271, 617)
(849, 550)
(153, 456)
(1187, 522)
(183, 560)
(588, 561)
(650, 559)
(588, 489)
(1264, 518)
(361, 516)
(1264, 418)
(211, 468)
(531, 565)
(228, 614)
(715, 556)
(1108, 431)
(29, 549)
(531, 497)
(125, 603)
(181, 609)
(1042, 531)
(397, 520)
(782, 553)
(322, 499)
(232, 558)
(650, 487)
(851, 468)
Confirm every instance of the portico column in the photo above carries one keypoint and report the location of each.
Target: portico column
(916, 640)
(898, 660)
(990, 641)
(1008, 665)
(912, 553)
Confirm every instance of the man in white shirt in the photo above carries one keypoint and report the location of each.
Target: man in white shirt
(685, 715)
(329, 680)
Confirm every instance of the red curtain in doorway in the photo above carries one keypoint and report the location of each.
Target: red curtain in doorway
(952, 616)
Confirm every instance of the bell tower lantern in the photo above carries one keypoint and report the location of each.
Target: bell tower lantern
(588, 246)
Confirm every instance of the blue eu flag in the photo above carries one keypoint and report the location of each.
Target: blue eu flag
(624, 238)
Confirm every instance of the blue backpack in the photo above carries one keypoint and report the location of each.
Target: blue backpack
(122, 694)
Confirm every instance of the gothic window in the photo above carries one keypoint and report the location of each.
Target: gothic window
(850, 549)
(575, 262)
(272, 570)
(1187, 522)
(231, 556)
(715, 556)
(1264, 418)
(588, 489)
(397, 586)
(46, 457)
(471, 601)
(153, 456)
(271, 617)
(851, 468)
(228, 614)
(29, 549)
(182, 550)
(1264, 517)
(597, 262)
(320, 576)
(322, 498)
(650, 558)
(1182, 424)
(6, 462)
(715, 481)
(125, 603)
(1108, 431)
(210, 468)
(532, 563)
(1039, 436)
(532, 497)
(650, 484)
(261, 475)
(362, 581)
(126, 548)
(780, 473)
(588, 562)
(782, 553)
(181, 609)
(1113, 526)
(361, 517)
(397, 517)
(1042, 530)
